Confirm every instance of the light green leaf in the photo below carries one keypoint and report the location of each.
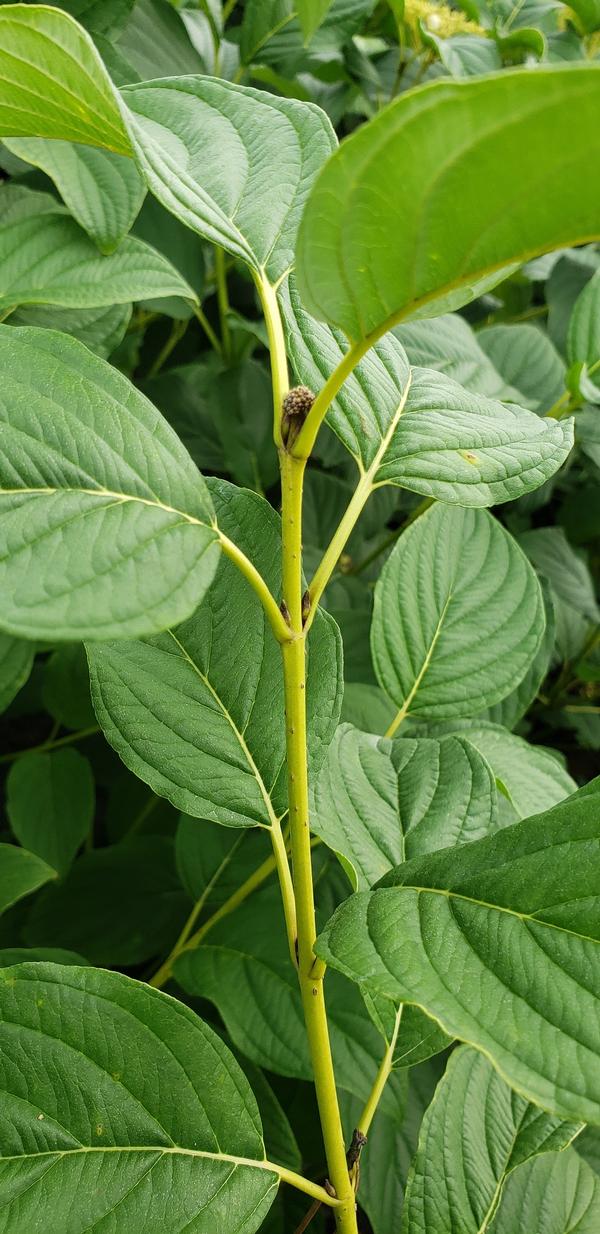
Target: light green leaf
(571, 585)
(419, 429)
(529, 363)
(556, 1194)
(465, 55)
(377, 803)
(139, 876)
(233, 163)
(449, 345)
(583, 338)
(21, 873)
(91, 1137)
(515, 919)
(101, 329)
(474, 1134)
(367, 708)
(512, 708)
(103, 191)
(367, 259)
(105, 523)
(50, 804)
(16, 663)
(458, 616)
(53, 82)
(45, 258)
(531, 777)
(197, 712)
(244, 968)
(460, 447)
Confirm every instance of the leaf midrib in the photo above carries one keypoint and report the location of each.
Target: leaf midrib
(499, 908)
(274, 819)
(117, 498)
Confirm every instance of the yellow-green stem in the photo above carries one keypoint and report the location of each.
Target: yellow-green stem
(381, 1080)
(311, 987)
(223, 302)
(337, 543)
(208, 330)
(279, 368)
(188, 941)
(257, 582)
(303, 445)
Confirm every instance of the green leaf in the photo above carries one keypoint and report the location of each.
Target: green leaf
(530, 777)
(103, 191)
(213, 861)
(16, 663)
(155, 42)
(367, 708)
(449, 345)
(515, 919)
(101, 329)
(197, 712)
(79, 913)
(233, 163)
(280, 1141)
(588, 12)
(460, 447)
(367, 259)
(98, 16)
(458, 616)
(50, 804)
(377, 803)
(244, 968)
(465, 55)
(21, 873)
(571, 585)
(583, 338)
(474, 1134)
(512, 708)
(105, 523)
(84, 1050)
(27, 955)
(556, 1194)
(45, 258)
(419, 429)
(529, 363)
(66, 687)
(53, 82)
(311, 14)
(385, 1164)
(183, 249)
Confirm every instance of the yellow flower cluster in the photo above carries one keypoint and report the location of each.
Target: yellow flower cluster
(439, 18)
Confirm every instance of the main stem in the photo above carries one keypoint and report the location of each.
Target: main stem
(311, 986)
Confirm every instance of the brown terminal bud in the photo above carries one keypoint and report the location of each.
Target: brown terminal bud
(298, 401)
(296, 406)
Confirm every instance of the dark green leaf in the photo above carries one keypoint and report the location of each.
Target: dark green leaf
(50, 804)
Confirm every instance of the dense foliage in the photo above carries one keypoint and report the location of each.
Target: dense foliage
(374, 893)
